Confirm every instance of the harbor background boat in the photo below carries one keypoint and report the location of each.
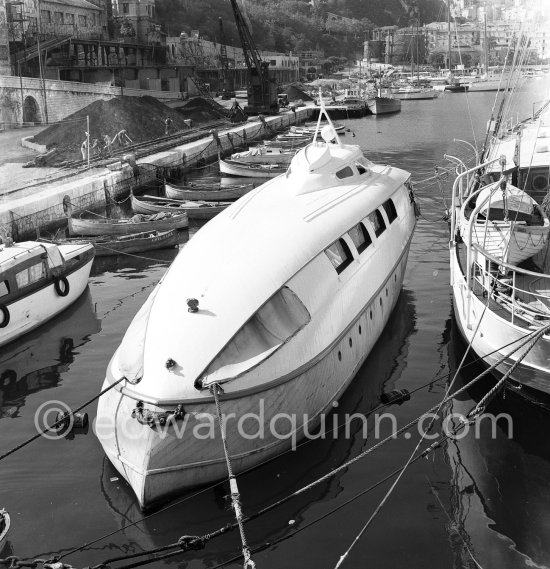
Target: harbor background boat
(77, 483)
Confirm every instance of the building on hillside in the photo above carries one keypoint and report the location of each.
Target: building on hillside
(83, 41)
(5, 60)
(136, 19)
(310, 64)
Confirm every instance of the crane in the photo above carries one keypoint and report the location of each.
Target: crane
(226, 80)
(262, 85)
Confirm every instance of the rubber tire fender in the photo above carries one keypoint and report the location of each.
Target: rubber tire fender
(61, 286)
(5, 315)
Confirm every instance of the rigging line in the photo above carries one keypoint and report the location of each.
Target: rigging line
(330, 474)
(212, 486)
(332, 511)
(466, 91)
(473, 413)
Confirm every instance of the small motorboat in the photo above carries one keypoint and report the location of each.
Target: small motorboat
(193, 209)
(457, 87)
(38, 281)
(505, 222)
(271, 308)
(264, 155)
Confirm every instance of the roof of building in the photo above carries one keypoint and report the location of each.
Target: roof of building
(74, 4)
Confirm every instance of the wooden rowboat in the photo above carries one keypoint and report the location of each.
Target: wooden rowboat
(242, 169)
(215, 194)
(134, 243)
(193, 209)
(136, 224)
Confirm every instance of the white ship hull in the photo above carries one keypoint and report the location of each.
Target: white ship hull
(384, 105)
(158, 467)
(287, 291)
(493, 336)
(413, 95)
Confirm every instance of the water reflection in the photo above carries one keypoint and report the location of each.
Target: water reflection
(36, 361)
(202, 511)
(500, 504)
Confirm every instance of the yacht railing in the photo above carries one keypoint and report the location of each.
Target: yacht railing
(458, 192)
(508, 285)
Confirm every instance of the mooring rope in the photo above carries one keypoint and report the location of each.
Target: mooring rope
(235, 496)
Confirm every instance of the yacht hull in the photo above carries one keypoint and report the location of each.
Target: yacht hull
(160, 463)
(493, 334)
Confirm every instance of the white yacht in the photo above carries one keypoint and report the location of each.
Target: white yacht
(500, 270)
(272, 306)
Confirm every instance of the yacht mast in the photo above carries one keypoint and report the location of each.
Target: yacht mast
(486, 46)
(449, 32)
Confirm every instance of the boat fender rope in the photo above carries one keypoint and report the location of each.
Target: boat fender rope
(61, 286)
(5, 316)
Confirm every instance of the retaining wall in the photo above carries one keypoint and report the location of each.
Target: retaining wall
(63, 98)
(44, 209)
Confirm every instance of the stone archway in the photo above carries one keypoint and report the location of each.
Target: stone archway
(31, 110)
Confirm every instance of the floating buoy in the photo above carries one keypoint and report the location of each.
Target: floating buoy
(4, 524)
(397, 396)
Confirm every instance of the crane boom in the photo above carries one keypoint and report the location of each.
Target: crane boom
(262, 87)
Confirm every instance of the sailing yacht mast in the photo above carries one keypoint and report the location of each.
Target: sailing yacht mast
(449, 33)
(486, 43)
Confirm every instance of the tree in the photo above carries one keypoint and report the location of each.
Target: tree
(437, 58)
(127, 29)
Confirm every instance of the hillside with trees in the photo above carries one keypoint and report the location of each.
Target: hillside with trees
(296, 25)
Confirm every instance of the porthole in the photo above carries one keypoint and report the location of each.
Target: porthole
(339, 356)
(386, 292)
(371, 314)
(380, 301)
(359, 330)
(350, 343)
(540, 182)
(395, 278)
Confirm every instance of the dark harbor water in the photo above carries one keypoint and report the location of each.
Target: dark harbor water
(474, 498)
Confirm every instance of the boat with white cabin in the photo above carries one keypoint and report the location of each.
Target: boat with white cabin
(267, 313)
(38, 281)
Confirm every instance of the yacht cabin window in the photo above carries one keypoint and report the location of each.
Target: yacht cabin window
(344, 173)
(339, 255)
(360, 237)
(30, 275)
(390, 210)
(377, 221)
(360, 168)
(4, 288)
